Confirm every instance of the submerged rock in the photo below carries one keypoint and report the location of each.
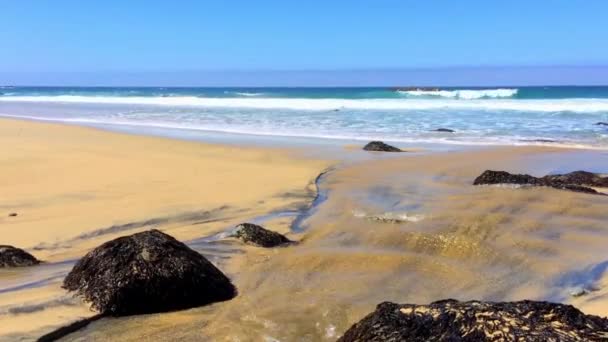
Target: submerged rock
(379, 146)
(451, 320)
(147, 272)
(15, 257)
(444, 130)
(256, 235)
(578, 181)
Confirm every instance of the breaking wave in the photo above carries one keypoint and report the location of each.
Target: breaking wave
(465, 94)
(555, 105)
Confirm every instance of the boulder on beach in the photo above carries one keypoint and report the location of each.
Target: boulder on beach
(256, 235)
(444, 130)
(579, 178)
(503, 177)
(578, 181)
(12, 215)
(379, 146)
(451, 320)
(145, 273)
(15, 257)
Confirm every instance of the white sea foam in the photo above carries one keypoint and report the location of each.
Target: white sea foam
(464, 94)
(557, 105)
(246, 94)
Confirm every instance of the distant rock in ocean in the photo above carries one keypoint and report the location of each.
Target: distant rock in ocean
(602, 124)
(451, 320)
(256, 235)
(379, 146)
(15, 257)
(443, 130)
(147, 272)
(578, 181)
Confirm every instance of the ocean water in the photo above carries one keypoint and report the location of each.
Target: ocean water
(565, 116)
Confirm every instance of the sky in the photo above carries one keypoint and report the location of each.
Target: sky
(311, 42)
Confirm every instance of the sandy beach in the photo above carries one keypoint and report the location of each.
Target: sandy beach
(408, 228)
(74, 188)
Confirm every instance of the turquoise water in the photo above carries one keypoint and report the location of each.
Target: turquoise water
(565, 116)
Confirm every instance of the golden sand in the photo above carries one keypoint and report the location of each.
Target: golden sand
(466, 242)
(65, 182)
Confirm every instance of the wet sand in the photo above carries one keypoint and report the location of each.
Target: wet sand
(443, 238)
(74, 188)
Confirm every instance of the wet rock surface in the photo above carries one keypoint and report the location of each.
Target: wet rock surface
(15, 257)
(379, 146)
(578, 181)
(147, 272)
(259, 236)
(451, 320)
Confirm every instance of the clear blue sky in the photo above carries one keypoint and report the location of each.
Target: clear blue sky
(175, 37)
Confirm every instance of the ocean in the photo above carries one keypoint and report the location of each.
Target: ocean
(563, 116)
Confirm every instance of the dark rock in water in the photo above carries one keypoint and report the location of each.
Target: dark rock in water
(578, 178)
(147, 272)
(602, 124)
(451, 320)
(573, 181)
(379, 146)
(253, 234)
(540, 140)
(12, 214)
(503, 177)
(444, 130)
(15, 257)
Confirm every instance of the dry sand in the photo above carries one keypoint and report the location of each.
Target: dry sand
(68, 185)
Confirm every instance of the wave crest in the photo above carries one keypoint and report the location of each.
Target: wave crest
(464, 94)
(558, 105)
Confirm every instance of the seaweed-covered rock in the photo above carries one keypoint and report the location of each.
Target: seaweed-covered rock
(379, 146)
(573, 181)
(444, 130)
(503, 177)
(147, 272)
(253, 234)
(15, 257)
(451, 320)
(578, 178)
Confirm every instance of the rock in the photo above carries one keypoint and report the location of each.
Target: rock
(15, 257)
(451, 320)
(145, 273)
(578, 178)
(12, 215)
(503, 177)
(539, 140)
(444, 130)
(573, 181)
(379, 146)
(255, 235)
(602, 124)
